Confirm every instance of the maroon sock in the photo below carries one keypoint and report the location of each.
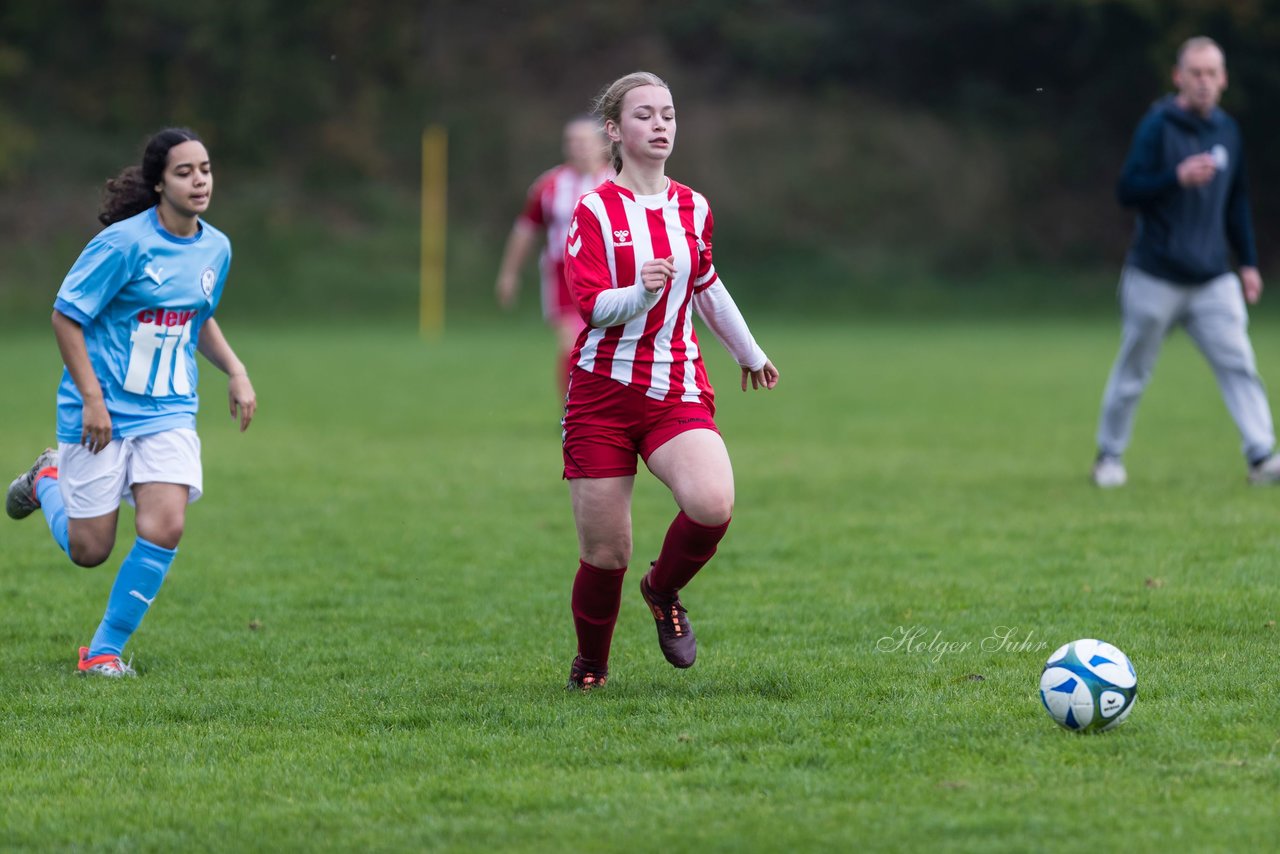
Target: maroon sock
(686, 549)
(597, 594)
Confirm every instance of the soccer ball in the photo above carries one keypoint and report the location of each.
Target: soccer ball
(1088, 686)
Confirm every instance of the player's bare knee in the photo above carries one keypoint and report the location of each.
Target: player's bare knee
(162, 526)
(166, 533)
(608, 556)
(710, 510)
(89, 554)
(89, 559)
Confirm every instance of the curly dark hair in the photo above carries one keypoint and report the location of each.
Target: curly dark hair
(134, 189)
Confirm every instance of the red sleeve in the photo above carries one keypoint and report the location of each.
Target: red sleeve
(533, 210)
(706, 276)
(585, 267)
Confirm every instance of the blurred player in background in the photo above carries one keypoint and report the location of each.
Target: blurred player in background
(639, 265)
(128, 320)
(1185, 175)
(549, 207)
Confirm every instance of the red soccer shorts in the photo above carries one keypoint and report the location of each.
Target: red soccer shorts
(607, 423)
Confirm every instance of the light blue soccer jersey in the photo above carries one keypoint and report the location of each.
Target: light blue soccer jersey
(141, 295)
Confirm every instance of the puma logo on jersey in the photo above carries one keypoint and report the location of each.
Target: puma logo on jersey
(622, 237)
(154, 274)
(136, 595)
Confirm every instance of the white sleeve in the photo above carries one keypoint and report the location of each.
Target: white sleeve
(617, 306)
(718, 310)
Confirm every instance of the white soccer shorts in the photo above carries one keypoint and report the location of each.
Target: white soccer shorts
(93, 484)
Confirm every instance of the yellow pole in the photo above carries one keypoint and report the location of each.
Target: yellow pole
(435, 148)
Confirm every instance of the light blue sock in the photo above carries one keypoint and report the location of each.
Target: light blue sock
(137, 584)
(55, 513)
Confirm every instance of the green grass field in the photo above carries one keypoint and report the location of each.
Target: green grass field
(363, 642)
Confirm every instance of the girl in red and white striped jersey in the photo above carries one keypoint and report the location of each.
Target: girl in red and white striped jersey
(638, 263)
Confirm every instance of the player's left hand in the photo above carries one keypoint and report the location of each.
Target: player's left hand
(765, 378)
(1252, 281)
(240, 395)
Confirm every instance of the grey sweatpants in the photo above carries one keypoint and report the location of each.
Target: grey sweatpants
(1214, 316)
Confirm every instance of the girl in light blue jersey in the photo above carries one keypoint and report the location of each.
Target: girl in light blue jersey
(130, 316)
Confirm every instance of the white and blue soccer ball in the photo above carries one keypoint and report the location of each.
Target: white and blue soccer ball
(1089, 686)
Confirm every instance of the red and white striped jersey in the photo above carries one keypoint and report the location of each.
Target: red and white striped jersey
(612, 235)
(551, 202)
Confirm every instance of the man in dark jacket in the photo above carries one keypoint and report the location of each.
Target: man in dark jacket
(1185, 176)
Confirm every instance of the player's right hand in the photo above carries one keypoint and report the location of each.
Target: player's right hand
(1196, 170)
(655, 274)
(96, 432)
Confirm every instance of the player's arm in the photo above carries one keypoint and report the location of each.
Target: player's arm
(600, 304)
(93, 281)
(721, 315)
(619, 306)
(95, 434)
(1145, 176)
(519, 244)
(524, 234)
(240, 395)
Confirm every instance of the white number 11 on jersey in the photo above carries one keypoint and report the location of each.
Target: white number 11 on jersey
(170, 342)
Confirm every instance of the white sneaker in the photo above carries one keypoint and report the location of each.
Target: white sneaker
(1265, 472)
(1108, 473)
(111, 666)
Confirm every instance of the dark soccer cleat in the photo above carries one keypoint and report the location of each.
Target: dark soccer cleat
(583, 678)
(675, 635)
(21, 501)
